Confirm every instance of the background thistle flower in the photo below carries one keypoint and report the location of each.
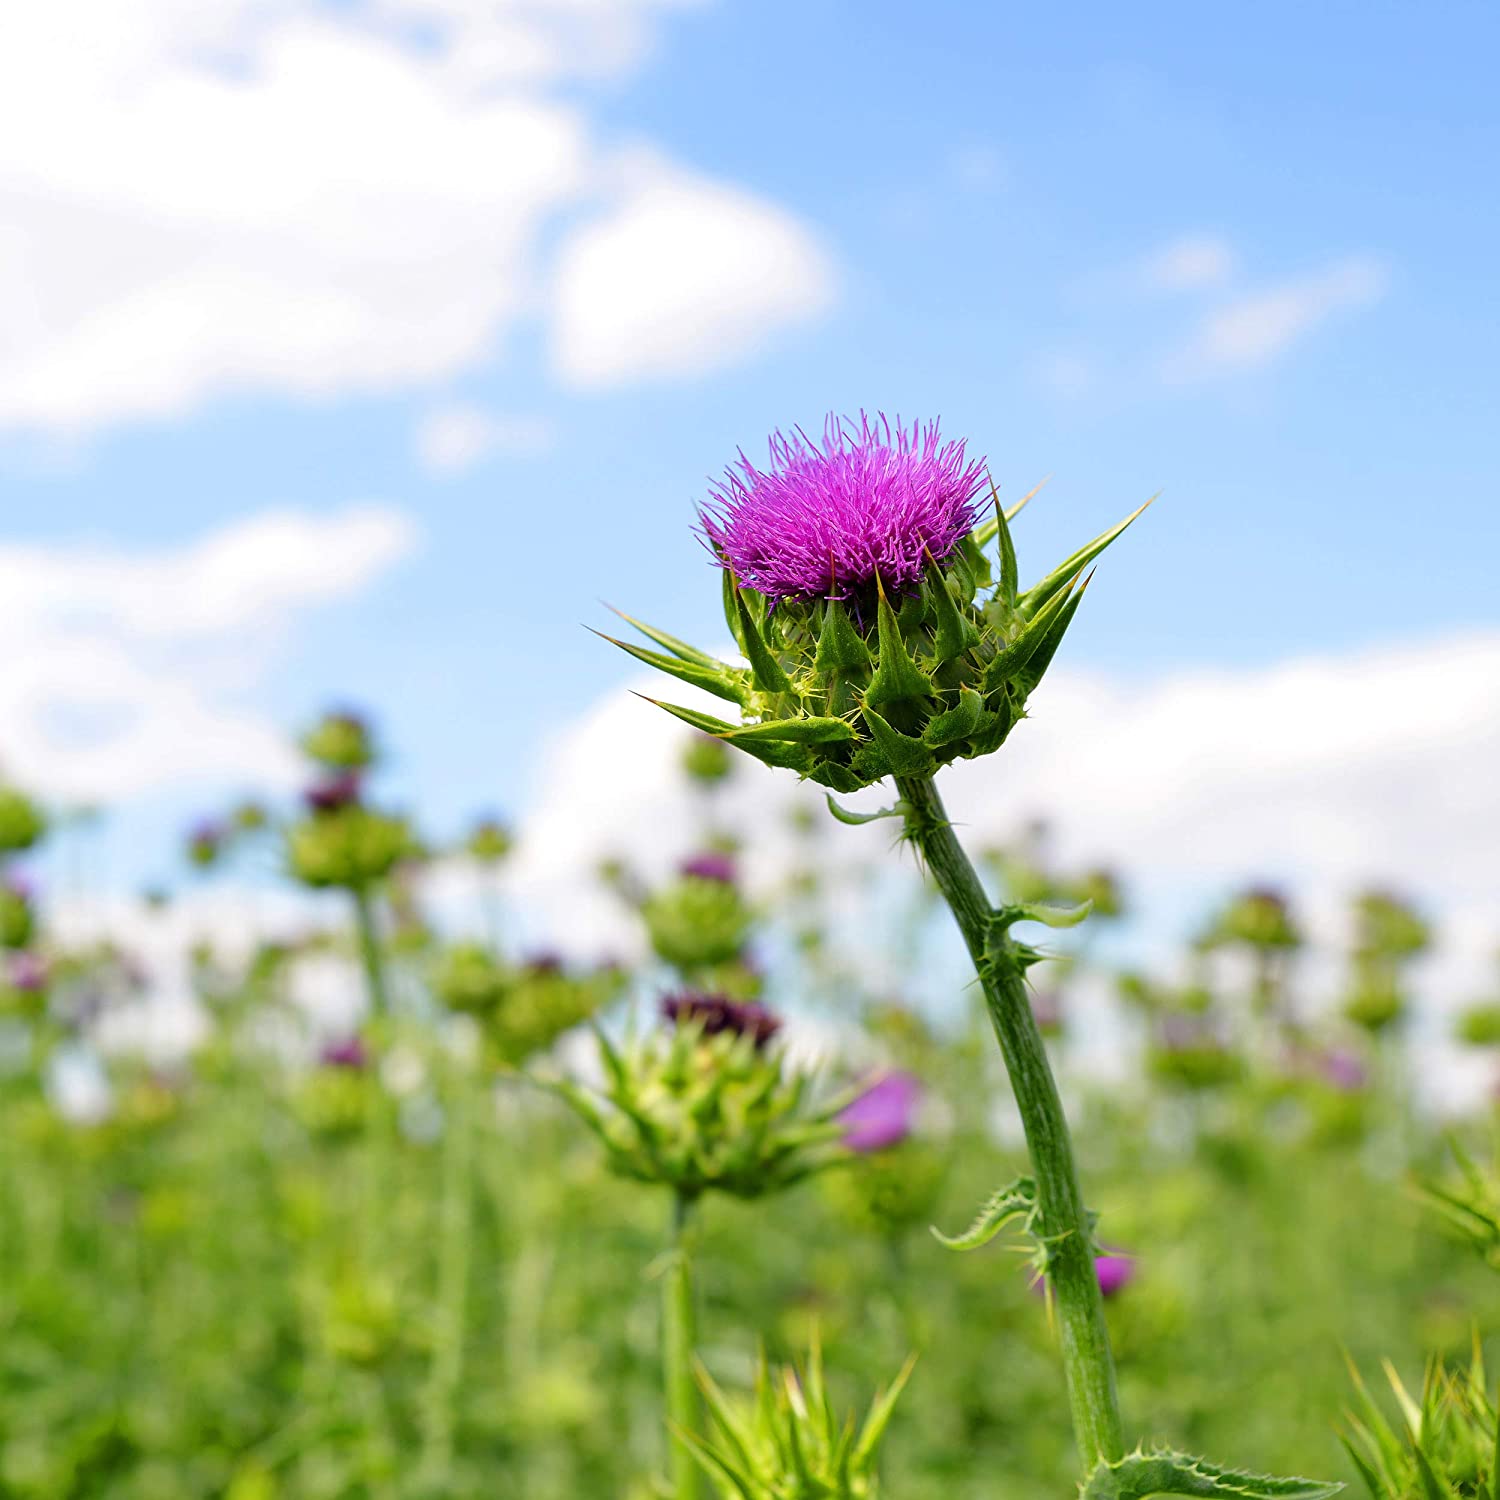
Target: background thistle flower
(881, 639)
(708, 1111)
(700, 919)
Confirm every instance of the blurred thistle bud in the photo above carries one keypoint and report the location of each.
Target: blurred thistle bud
(786, 1440)
(341, 741)
(717, 1015)
(1102, 888)
(706, 760)
(469, 978)
(250, 816)
(1188, 1052)
(330, 793)
(22, 822)
(708, 1110)
(489, 841)
(1260, 918)
(1387, 927)
(333, 1100)
(1479, 1025)
(17, 912)
(699, 919)
(24, 979)
(206, 842)
(351, 848)
(878, 638)
(713, 864)
(1375, 1002)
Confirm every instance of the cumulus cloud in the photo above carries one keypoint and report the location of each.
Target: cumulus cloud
(1190, 263)
(281, 195)
(453, 439)
(1257, 329)
(1328, 771)
(681, 276)
(119, 670)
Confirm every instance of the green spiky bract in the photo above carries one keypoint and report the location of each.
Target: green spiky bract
(787, 1442)
(1141, 1474)
(846, 695)
(707, 1113)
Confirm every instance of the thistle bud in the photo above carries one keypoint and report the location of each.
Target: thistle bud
(708, 1106)
(22, 822)
(881, 639)
(351, 847)
(489, 841)
(1189, 1052)
(701, 919)
(706, 760)
(786, 1440)
(331, 792)
(206, 842)
(340, 741)
(17, 917)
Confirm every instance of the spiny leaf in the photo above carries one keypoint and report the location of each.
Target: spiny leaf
(897, 677)
(717, 679)
(1015, 1201)
(667, 642)
(904, 756)
(1141, 1475)
(956, 723)
(953, 634)
(1047, 913)
(1039, 593)
(858, 819)
(764, 668)
(1011, 660)
(984, 533)
(841, 648)
(807, 730)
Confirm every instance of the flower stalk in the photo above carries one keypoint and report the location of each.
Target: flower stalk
(370, 955)
(678, 1340)
(1064, 1222)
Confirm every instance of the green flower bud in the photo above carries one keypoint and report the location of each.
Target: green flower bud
(1479, 1025)
(351, 847)
(708, 1106)
(341, 741)
(1376, 1001)
(17, 919)
(22, 822)
(706, 760)
(489, 842)
(333, 1102)
(698, 921)
(785, 1442)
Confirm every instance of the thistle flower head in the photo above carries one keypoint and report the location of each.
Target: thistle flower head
(699, 921)
(711, 865)
(882, 1116)
(331, 792)
(866, 508)
(716, 1015)
(881, 636)
(346, 1052)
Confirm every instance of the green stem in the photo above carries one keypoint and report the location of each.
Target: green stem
(1084, 1338)
(369, 952)
(678, 1337)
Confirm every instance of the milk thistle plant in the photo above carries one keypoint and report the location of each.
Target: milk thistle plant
(883, 638)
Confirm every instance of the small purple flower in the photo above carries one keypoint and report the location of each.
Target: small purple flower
(883, 1115)
(1115, 1273)
(1343, 1069)
(347, 1052)
(330, 793)
(870, 505)
(715, 1014)
(709, 866)
(544, 961)
(27, 972)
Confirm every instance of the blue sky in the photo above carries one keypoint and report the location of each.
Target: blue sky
(1244, 257)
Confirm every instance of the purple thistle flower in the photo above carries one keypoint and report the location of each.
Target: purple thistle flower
(883, 1115)
(709, 866)
(827, 522)
(330, 793)
(544, 961)
(28, 973)
(348, 1052)
(1343, 1069)
(1115, 1273)
(715, 1014)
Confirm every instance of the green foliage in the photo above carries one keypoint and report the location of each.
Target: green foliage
(787, 1443)
(350, 848)
(22, 822)
(1142, 1475)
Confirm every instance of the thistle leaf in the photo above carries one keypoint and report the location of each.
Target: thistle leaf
(858, 819)
(897, 677)
(953, 634)
(1007, 663)
(680, 649)
(718, 679)
(1015, 1201)
(1038, 594)
(764, 668)
(903, 755)
(1048, 914)
(984, 533)
(808, 730)
(841, 648)
(1141, 1475)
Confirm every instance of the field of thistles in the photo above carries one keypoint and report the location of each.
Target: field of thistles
(738, 1218)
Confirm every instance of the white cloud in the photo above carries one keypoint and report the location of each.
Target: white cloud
(1257, 329)
(1323, 771)
(280, 195)
(1190, 263)
(681, 276)
(119, 670)
(452, 439)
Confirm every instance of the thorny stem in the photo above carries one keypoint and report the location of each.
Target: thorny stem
(369, 952)
(1083, 1335)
